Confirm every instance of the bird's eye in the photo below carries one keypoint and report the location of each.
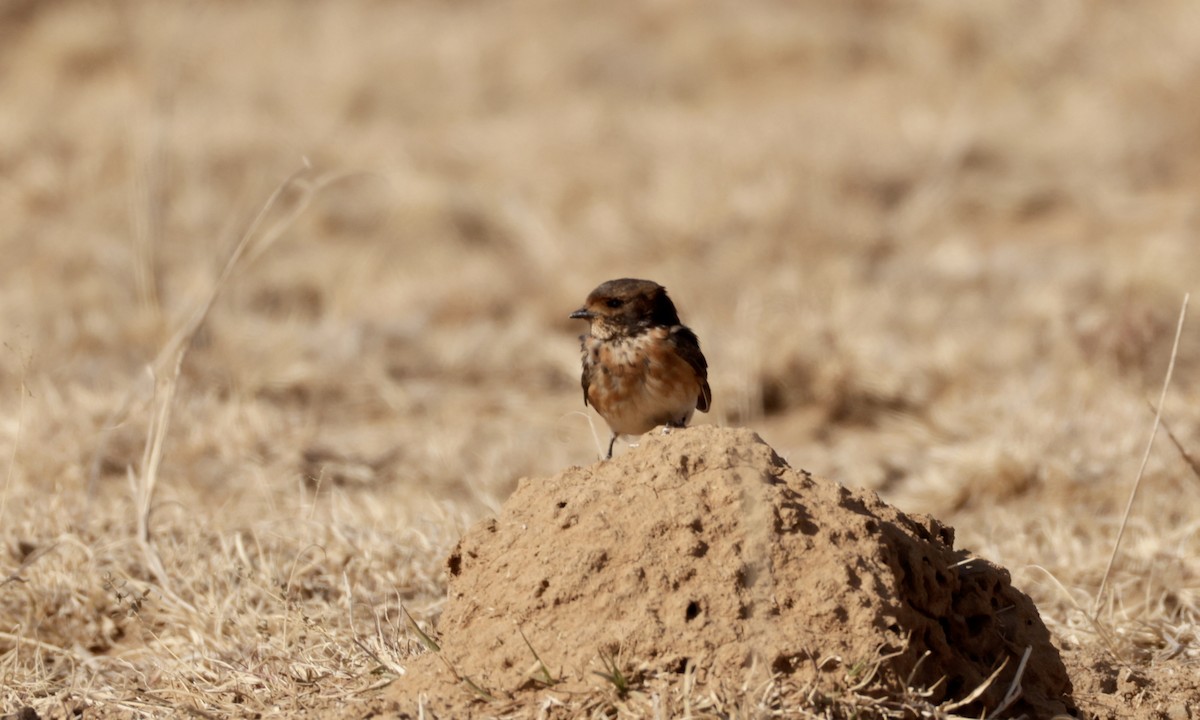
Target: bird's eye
(614, 302)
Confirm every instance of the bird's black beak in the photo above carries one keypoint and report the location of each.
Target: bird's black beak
(582, 314)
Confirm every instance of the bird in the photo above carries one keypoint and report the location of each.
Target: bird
(641, 366)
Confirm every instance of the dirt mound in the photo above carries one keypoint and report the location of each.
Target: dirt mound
(704, 548)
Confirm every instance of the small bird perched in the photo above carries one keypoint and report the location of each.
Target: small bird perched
(641, 367)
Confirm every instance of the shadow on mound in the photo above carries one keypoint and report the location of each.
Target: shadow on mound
(704, 549)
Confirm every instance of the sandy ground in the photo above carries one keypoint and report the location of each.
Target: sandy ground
(285, 287)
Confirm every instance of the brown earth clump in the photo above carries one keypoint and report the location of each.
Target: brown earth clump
(702, 551)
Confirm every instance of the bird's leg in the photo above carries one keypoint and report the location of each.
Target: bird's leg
(611, 442)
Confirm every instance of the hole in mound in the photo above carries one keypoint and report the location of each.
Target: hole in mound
(1108, 680)
(977, 623)
(955, 687)
(560, 504)
(542, 587)
(692, 612)
(597, 560)
(699, 550)
(681, 666)
(697, 526)
(454, 564)
(784, 664)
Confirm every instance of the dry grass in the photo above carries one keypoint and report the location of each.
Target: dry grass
(936, 250)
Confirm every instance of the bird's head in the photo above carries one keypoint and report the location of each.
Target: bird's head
(624, 307)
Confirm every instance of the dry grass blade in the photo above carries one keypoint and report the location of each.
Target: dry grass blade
(1102, 632)
(478, 689)
(1192, 462)
(1014, 688)
(197, 712)
(543, 673)
(874, 666)
(436, 649)
(175, 350)
(427, 641)
(30, 559)
(1146, 456)
(978, 691)
(382, 664)
(916, 667)
(612, 673)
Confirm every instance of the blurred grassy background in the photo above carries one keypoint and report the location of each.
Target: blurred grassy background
(937, 249)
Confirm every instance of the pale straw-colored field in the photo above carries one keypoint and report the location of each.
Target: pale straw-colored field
(284, 293)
